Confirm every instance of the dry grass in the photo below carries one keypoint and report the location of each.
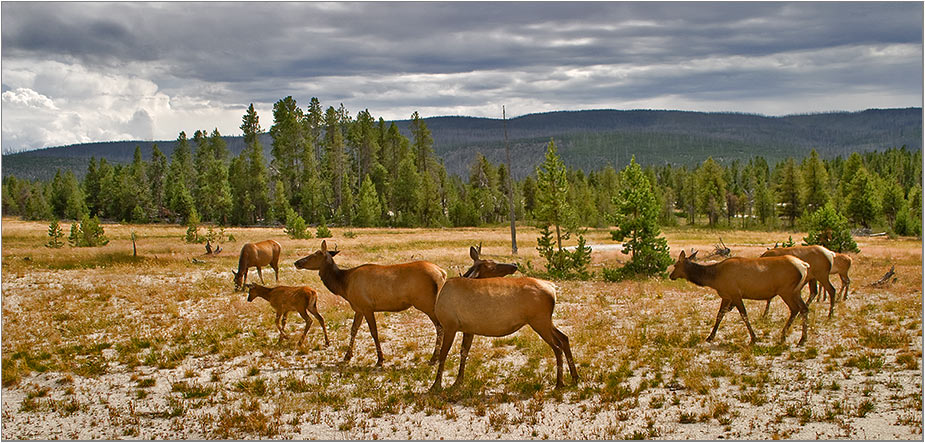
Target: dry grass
(100, 344)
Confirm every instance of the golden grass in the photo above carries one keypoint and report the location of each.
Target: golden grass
(99, 312)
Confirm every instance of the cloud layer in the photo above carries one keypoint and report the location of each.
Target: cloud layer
(75, 72)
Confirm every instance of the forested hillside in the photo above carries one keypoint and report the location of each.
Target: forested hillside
(587, 140)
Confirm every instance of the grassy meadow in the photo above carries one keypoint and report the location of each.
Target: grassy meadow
(98, 344)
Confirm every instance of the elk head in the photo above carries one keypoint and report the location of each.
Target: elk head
(680, 266)
(487, 268)
(251, 293)
(318, 258)
(238, 279)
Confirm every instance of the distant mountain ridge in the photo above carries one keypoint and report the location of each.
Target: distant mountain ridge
(587, 139)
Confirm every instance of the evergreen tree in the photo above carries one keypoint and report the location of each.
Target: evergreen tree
(789, 189)
(91, 187)
(368, 208)
(67, 198)
(422, 143)
(335, 161)
(288, 145)
(254, 169)
(816, 182)
(55, 234)
(894, 201)
(636, 218)
(830, 229)
(280, 206)
(711, 190)
(157, 178)
(552, 205)
(863, 206)
(407, 192)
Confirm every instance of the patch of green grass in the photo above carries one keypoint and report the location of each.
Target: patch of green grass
(866, 362)
(883, 339)
(864, 408)
(908, 361)
(192, 390)
(257, 386)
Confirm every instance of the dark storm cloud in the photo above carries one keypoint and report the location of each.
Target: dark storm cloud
(462, 57)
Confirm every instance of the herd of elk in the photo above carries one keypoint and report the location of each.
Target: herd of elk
(256, 254)
(483, 302)
(735, 279)
(374, 288)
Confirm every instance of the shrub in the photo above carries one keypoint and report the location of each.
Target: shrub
(828, 228)
(295, 225)
(87, 233)
(323, 231)
(56, 235)
(192, 229)
(561, 263)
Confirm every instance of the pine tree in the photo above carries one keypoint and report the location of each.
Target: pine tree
(711, 190)
(636, 218)
(894, 202)
(157, 178)
(789, 191)
(552, 205)
(368, 208)
(407, 192)
(55, 234)
(280, 206)
(335, 161)
(862, 199)
(288, 144)
(255, 170)
(828, 228)
(816, 182)
(67, 197)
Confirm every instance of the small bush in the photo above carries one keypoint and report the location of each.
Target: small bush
(192, 229)
(323, 231)
(828, 228)
(562, 264)
(295, 225)
(87, 233)
(56, 235)
(350, 234)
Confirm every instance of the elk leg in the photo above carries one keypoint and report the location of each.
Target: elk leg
(437, 346)
(564, 344)
(794, 310)
(357, 318)
(812, 290)
(845, 282)
(281, 325)
(463, 353)
(374, 331)
(767, 308)
(308, 324)
(550, 338)
(276, 270)
(804, 311)
(260, 274)
(830, 288)
(314, 310)
(741, 307)
(448, 336)
(724, 306)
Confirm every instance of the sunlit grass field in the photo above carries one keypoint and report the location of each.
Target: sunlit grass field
(98, 343)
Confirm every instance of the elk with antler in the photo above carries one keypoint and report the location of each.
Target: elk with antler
(735, 279)
(372, 288)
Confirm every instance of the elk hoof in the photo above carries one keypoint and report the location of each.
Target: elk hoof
(379, 363)
(436, 388)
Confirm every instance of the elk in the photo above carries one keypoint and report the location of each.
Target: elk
(256, 254)
(735, 279)
(496, 307)
(820, 262)
(487, 268)
(372, 288)
(286, 299)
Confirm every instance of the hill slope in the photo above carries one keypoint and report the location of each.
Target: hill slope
(586, 139)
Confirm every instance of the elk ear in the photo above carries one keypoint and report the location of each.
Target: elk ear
(474, 273)
(324, 246)
(693, 254)
(681, 257)
(473, 253)
(333, 253)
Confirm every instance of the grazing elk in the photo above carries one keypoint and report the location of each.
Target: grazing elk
(735, 279)
(374, 288)
(496, 307)
(286, 299)
(820, 262)
(256, 254)
(487, 268)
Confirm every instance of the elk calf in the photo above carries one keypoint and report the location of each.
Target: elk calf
(735, 279)
(841, 265)
(820, 262)
(285, 299)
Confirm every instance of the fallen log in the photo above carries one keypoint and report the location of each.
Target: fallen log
(886, 279)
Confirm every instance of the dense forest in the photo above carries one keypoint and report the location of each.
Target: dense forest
(586, 140)
(326, 166)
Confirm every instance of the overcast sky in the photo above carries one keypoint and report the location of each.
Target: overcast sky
(80, 72)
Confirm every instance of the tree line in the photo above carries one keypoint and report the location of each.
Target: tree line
(329, 167)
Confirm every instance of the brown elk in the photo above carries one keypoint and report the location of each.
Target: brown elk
(374, 288)
(735, 279)
(286, 299)
(820, 262)
(496, 307)
(256, 255)
(487, 268)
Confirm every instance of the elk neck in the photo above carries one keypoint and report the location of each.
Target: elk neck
(334, 278)
(701, 275)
